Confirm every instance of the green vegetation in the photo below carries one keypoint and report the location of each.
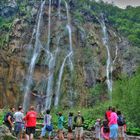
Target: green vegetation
(126, 96)
(126, 21)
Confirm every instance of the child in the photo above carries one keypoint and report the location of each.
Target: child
(105, 130)
(97, 127)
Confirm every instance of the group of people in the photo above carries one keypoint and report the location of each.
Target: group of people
(113, 127)
(17, 123)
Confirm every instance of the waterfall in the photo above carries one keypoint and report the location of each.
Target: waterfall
(70, 36)
(59, 81)
(68, 56)
(36, 52)
(49, 26)
(108, 62)
(49, 91)
(51, 63)
(59, 9)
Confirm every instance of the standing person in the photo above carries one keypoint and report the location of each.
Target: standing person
(18, 116)
(60, 126)
(97, 127)
(30, 120)
(105, 131)
(113, 126)
(121, 125)
(40, 99)
(70, 120)
(47, 125)
(79, 120)
(108, 113)
(70, 126)
(9, 119)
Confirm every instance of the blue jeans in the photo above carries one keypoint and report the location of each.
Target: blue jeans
(113, 131)
(43, 132)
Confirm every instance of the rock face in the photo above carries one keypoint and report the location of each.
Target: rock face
(89, 57)
(5, 134)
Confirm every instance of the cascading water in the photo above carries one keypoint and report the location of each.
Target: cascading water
(36, 53)
(59, 9)
(108, 62)
(52, 58)
(70, 36)
(59, 81)
(68, 56)
(51, 62)
(49, 91)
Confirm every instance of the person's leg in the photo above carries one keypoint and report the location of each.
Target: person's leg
(20, 135)
(81, 133)
(27, 133)
(49, 135)
(43, 132)
(27, 137)
(32, 132)
(76, 133)
(31, 136)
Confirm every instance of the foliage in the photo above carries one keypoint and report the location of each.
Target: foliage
(126, 21)
(126, 96)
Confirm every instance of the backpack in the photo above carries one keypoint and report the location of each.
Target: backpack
(5, 119)
(79, 121)
(49, 128)
(106, 129)
(120, 120)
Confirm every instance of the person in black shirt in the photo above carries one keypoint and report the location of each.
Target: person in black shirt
(9, 119)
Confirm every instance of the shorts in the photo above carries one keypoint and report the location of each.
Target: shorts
(30, 130)
(113, 131)
(97, 134)
(18, 127)
(121, 133)
(79, 131)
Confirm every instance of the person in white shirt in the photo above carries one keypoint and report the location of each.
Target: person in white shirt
(47, 125)
(19, 125)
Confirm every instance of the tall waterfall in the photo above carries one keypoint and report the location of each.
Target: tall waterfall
(70, 36)
(51, 62)
(59, 81)
(52, 58)
(108, 62)
(68, 56)
(36, 53)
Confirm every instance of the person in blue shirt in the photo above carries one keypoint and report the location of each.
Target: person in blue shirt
(60, 126)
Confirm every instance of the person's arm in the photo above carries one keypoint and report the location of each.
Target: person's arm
(9, 120)
(34, 94)
(111, 120)
(26, 117)
(14, 116)
(75, 119)
(83, 120)
(102, 132)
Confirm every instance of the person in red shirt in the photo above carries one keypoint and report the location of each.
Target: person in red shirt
(30, 120)
(108, 113)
